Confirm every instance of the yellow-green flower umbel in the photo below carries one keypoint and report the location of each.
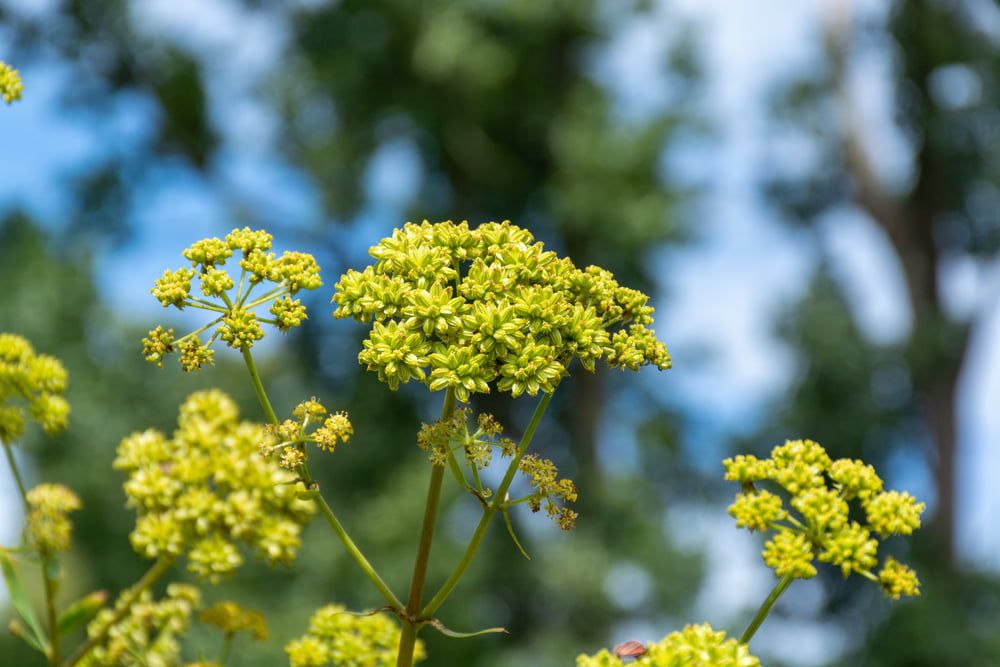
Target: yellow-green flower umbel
(467, 309)
(820, 524)
(148, 634)
(207, 488)
(11, 86)
(233, 301)
(694, 646)
(342, 639)
(31, 388)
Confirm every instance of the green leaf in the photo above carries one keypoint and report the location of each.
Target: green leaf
(513, 535)
(22, 605)
(82, 611)
(18, 631)
(440, 627)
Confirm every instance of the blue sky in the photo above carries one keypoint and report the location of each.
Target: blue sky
(745, 262)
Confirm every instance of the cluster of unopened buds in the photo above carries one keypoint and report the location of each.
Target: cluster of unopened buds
(233, 300)
(463, 309)
(32, 388)
(819, 523)
(207, 488)
(11, 86)
(694, 646)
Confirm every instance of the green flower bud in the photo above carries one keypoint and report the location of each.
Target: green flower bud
(216, 282)
(756, 511)
(894, 513)
(789, 553)
(173, 287)
(208, 252)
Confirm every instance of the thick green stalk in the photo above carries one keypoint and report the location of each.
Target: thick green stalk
(765, 608)
(489, 513)
(148, 579)
(325, 508)
(408, 638)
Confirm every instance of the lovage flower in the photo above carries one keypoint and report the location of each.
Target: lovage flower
(470, 309)
(822, 526)
(232, 300)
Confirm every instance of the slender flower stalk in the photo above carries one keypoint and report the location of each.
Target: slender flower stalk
(16, 474)
(328, 514)
(488, 513)
(409, 636)
(765, 608)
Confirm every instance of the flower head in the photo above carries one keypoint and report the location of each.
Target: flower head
(32, 387)
(312, 424)
(149, 632)
(206, 489)
(338, 637)
(230, 298)
(821, 492)
(694, 646)
(11, 86)
(470, 309)
(48, 522)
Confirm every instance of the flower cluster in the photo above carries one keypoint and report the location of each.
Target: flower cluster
(11, 86)
(445, 438)
(819, 522)
(549, 490)
(31, 387)
(312, 423)
(465, 309)
(231, 300)
(694, 646)
(338, 637)
(149, 632)
(233, 619)
(48, 524)
(207, 487)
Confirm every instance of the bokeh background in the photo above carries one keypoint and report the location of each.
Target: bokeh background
(810, 189)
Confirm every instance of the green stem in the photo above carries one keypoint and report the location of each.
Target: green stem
(408, 638)
(227, 648)
(258, 386)
(50, 609)
(127, 600)
(17, 475)
(488, 514)
(49, 583)
(765, 608)
(327, 512)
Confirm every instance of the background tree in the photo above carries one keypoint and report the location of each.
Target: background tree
(884, 401)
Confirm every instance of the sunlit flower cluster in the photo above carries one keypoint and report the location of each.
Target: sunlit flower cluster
(468, 309)
(232, 619)
(312, 423)
(338, 637)
(48, 522)
(451, 440)
(694, 646)
(148, 634)
(11, 86)
(207, 488)
(233, 301)
(819, 523)
(31, 388)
